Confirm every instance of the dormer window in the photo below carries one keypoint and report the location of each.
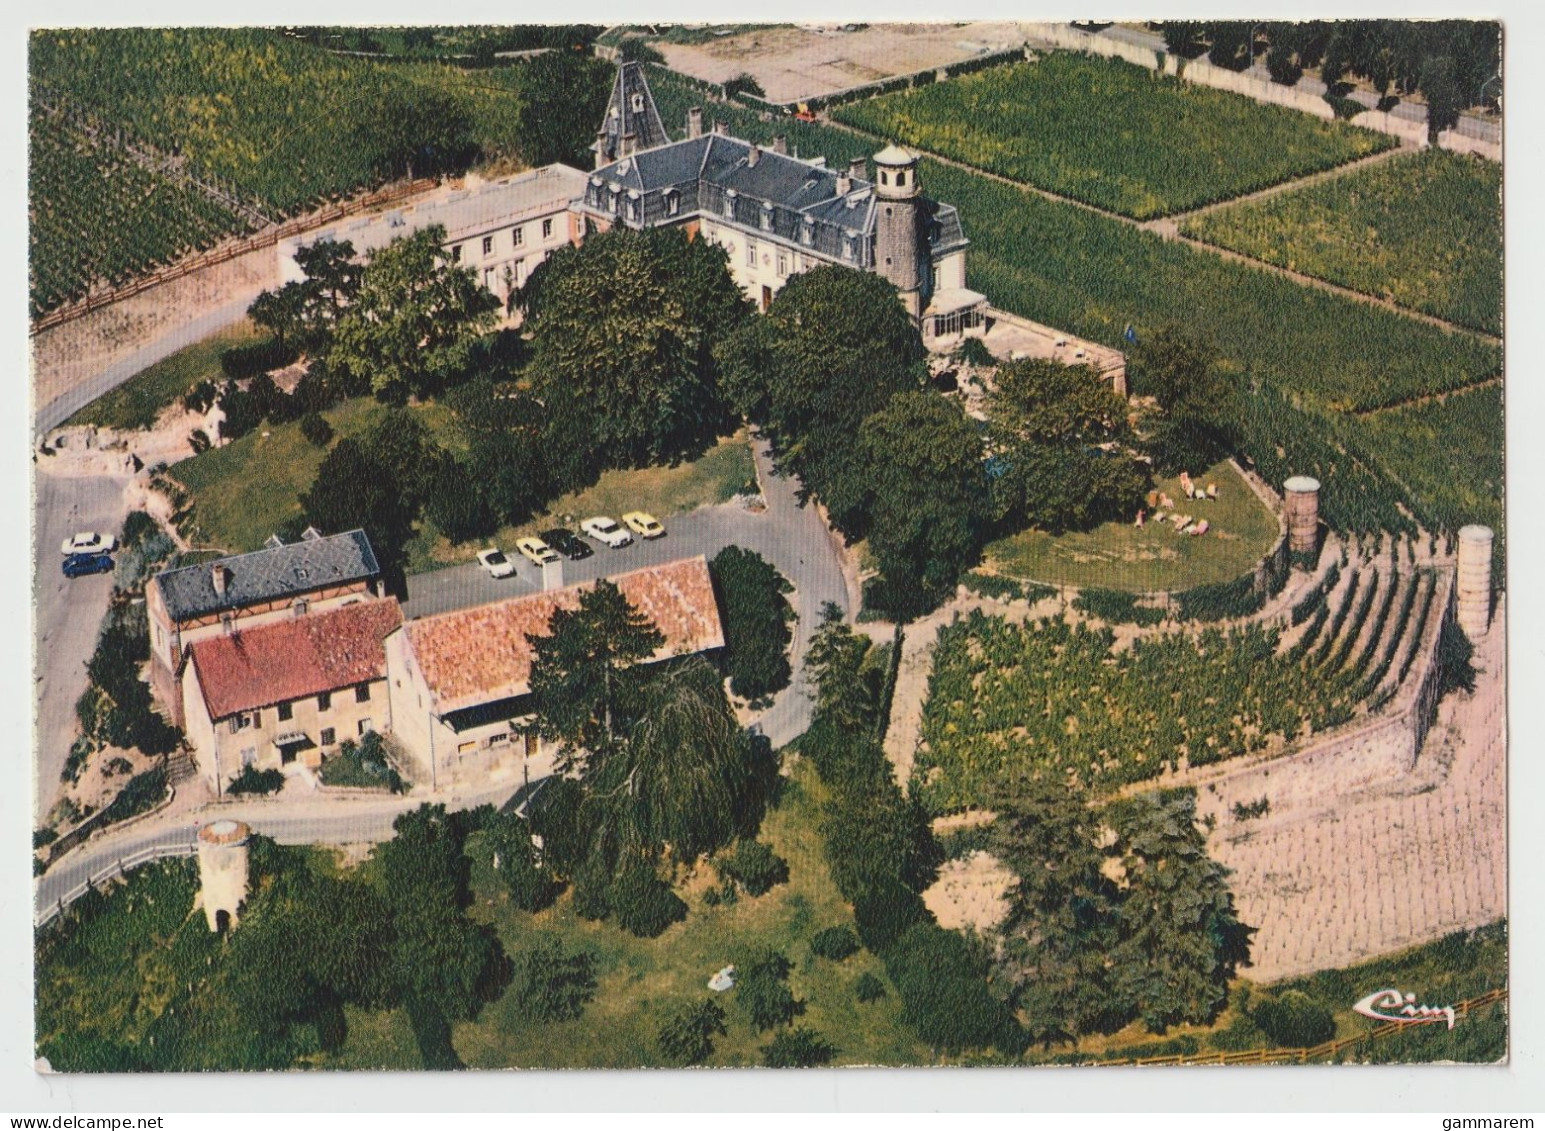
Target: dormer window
(729, 203)
(672, 202)
(767, 217)
(807, 234)
(637, 102)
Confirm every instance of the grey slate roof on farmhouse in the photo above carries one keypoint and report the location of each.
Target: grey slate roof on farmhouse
(264, 575)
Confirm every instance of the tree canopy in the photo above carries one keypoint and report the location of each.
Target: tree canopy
(1057, 434)
(410, 327)
(622, 334)
(562, 99)
(1202, 403)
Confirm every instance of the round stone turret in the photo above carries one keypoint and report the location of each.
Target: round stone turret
(898, 244)
(222, 871)
(1301, 505)
(1474, 581)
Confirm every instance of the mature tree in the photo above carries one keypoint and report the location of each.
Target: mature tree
(686, 778)
(454, 500)
(1184, 37)
(758, 621)
(1202, 403)
(1232, 46)
(417, 131)
(552, 985)
(400, 445)
(836, 669)
(332, 280)
(686, 1033)
(410, 327)
(1062, 921)
(1056, 434)
(516, 456)
(353, 491)
(585, 675)
(1444, 99)
(1180, 939)
(280, 312)
(622, 335)
(562, 100)
(531, 884)
(927, 497)
(945, 996)
(835, 345)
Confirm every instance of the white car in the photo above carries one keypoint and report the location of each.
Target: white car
(494, 561)
(88, 543)
(606, 532)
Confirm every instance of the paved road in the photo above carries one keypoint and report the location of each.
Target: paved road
(66, 613)
(792, 537)
(62, 407)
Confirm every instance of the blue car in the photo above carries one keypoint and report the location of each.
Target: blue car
(83, 565)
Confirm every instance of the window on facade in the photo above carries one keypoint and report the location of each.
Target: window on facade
(547, 232)
(329, 736)
(364, 727)
(465, 747)
(235, 724)
(488, 245)
(227, 623)
(362, 693)
(500, 739)
(936, 276)
(750, 253)
(456, 253)
(783, 262)
(901, 177)
(300, 606)
(286, 712)
(518, 235)
(325, 701)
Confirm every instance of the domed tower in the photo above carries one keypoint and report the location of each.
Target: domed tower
(898, 238)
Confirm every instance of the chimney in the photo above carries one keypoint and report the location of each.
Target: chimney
(858, 169)
(781, 144)
(722, 129)
(552, 575)
(217, 577)
(844, 184)
(753, 155)
(695, 122)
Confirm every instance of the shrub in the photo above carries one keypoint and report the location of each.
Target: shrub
(993, 586)
(754, 866)
(686, 1034)
(200, 397)
(316, 430)
(644, 903)
(199, 441)
(944, 992)
(798, 1048)
(974, 352)
(1115, 607)
(835, 943)
(758, 621)
(552, 985)
(761, 987)
(868, 988)
(737, 88)
(1257, 808)
(1223, 601)
(42, 838)
(885, 911)
(142, 793)
(253, 780)
(1294, 1020)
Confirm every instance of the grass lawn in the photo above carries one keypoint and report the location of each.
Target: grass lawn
(1118, 555)
(724, 471)
(138, 401)
(244, 491)
(1423, 230)
(1111, 134)
(638, 980)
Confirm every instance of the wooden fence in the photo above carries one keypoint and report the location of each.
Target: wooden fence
(231, 249)
(1325, 1051)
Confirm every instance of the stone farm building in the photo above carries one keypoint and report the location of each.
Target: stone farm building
(460, 681)
(288, 692)
(774, 213)
(279, 582)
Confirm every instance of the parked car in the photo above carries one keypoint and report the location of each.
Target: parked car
(536, 551)
(88, 543)
(495, 562)
(565, 542)
(643, 524)
(83, 565)
(606, 532)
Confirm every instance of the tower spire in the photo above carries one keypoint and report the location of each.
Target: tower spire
(632, 123)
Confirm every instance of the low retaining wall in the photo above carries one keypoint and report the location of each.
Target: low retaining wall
(1370, 752)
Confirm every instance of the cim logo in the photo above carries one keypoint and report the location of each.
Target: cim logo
(1392, 1005)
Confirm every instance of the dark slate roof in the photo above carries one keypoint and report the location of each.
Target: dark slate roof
(264, 575)
(630, 88)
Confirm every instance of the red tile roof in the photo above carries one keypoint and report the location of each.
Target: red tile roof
(292, 659)
(482, 654)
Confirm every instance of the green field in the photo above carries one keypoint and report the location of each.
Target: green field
(98, 218)
(138, 401)
(1423, 230)
(1111, 134)
(1119, 555)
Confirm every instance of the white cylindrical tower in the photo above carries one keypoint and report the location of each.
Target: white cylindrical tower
(1301, 506)
(1474, 580)
(222, 871)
